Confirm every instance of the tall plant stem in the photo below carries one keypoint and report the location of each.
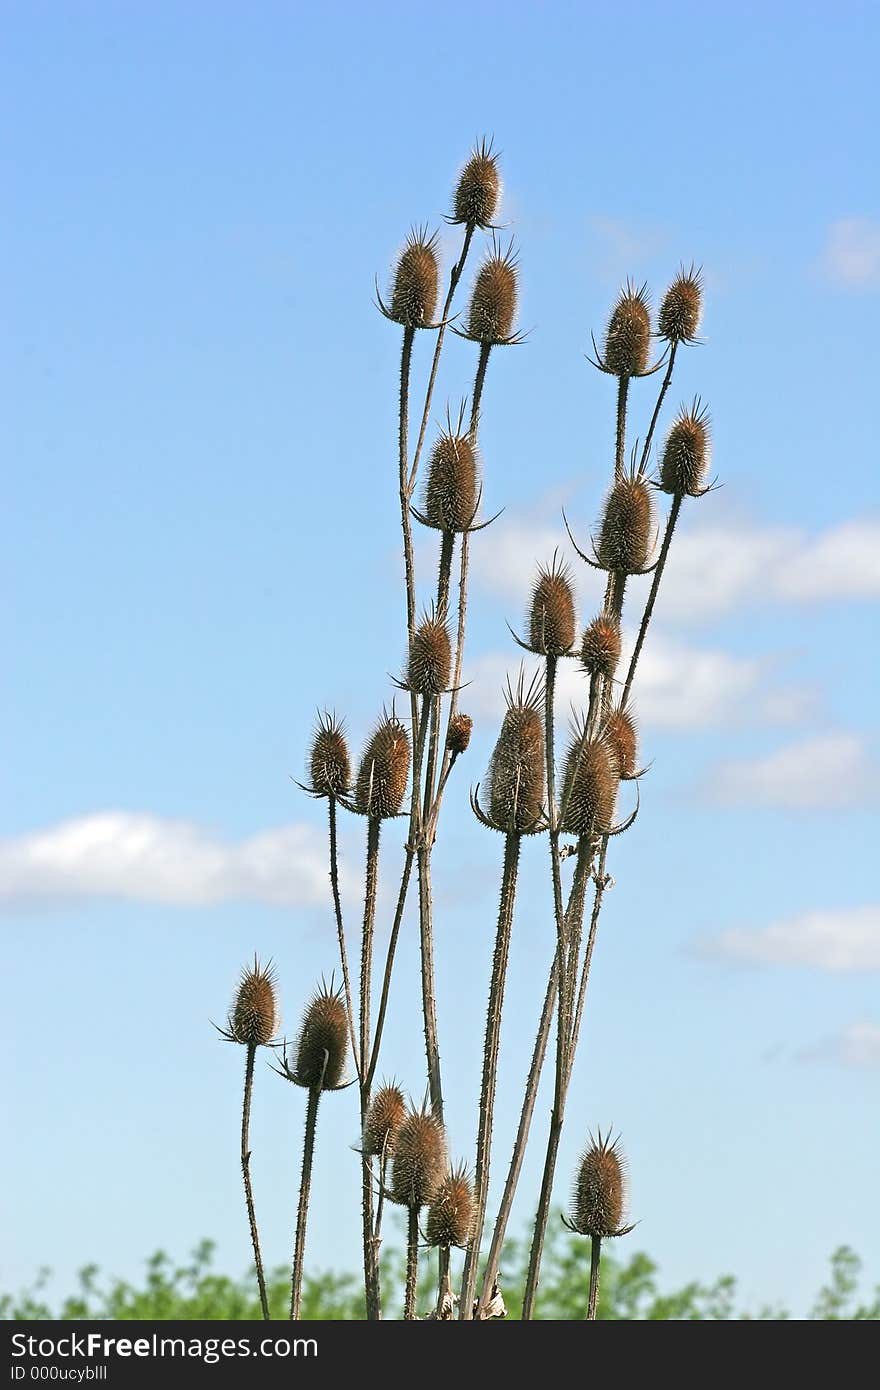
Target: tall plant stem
(664, 387)
(371, 876)
(389, 961)
(652, 596)
(405, 490)
(412, 1265)
(620, 433)
(601, 884)
(340, 931)
(444, 1306)
(490, 1068)
(303, 1209)
(595, 1256)
(246, 1174)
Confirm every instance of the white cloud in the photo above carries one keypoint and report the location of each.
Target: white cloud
(147, 858)
(836, 941)
(859, 1045)
(852, 253)
(822, 773)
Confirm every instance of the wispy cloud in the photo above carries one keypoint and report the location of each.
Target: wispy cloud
(851, 256)
(825, 772)
(858, 1046)
(847, 940)
(148, 858)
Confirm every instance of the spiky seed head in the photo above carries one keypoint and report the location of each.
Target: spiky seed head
(599, 1194)
(551, 611)
(329, 763)
(414, 291)
(451, 490)
(516, 771)
(254, 1016)
(600, 648)
(459, 734)
(682, 307)
(322, 1035)
(622, 738)
(451, 1214)
(384, 769)
(478, 189)
(625, 534)
(385, 1115)
(589, 786)
(419, 1159)
(628, 337)
(685, 458)
(430, 657)
(493, 299)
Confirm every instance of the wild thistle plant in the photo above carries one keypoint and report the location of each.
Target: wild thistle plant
(597, 1203)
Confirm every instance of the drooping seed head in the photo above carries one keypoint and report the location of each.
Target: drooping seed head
(430, 657)
(451, 1214)
(384, 769)
(322, 1043)
(493, 299)
(599, 1195)
(589, 786)
(551, 611)
(625, 534)
(622, 738)
(452, 488)
(254, 1017)
(682, 307)
(459, 734)
(329, 763)
(478, 190)
(385, 1115)
(600, 648)
(414, 291)
(628, 337)
(516, 771)
(685, 457)
(419, 1160)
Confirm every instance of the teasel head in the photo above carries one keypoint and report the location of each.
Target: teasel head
(625, 537)
(451, 1213)
(384, 770)
(599, 1196)
(492, 309)
(452, 490)
(621, 735)
(516, 769)
(430, 657)
(589, 785)
(628, 336)
(682, 307)
(458, 735)
(419, 1165)
(254, 1017)
(600, 647)
(415, 282)
(478, 191)
(329, 762)
(322, 1044)
(385, 1115)
(551, 617)
(685, 459)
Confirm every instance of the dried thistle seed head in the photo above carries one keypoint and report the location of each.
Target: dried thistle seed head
(459, 733)
(600, 648)
(419, 1159)
(385, 1115)
(430, 657)
(551, 612)
(323, 1042)
(493, 299)
(452, 489)
(589, 786)
(384, 769)
(599, 1190)
(622, 738)
(478, 190)
(516, 771)
(329, 763)
(685, 458)
(254, 1016)
(625, 535)
(628, 337)
(414, 292)
(451, 1214)
(682, 307)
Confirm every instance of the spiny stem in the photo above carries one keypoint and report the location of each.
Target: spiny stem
(340, 931)
(429, 1002)
(601, 883)
(389, 960)
(595, 1256)
(405, 492)
(667, 377)
(412, 1264)
(303, 1209)
(620, 434)
(246, 1174)
(371, 1267)
(444, 1284)
(652, 596)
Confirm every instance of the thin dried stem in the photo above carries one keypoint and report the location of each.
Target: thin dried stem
(389, 961)
(652, 596)
(303, 1209)
(246, 1174)
(429, 1002)
(595, 1256)
(412, 1265)
(620, 433)
(405, 492)
(664, 387)
(340, 931)
(371, 876)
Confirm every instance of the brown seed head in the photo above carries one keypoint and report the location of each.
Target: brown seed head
(551, 612)
(329, 763)
(451, 1214)
(451, 490)
(419, 1160)
(589, 786)
(599, 1190)
(629, 333)
(686, 452)
(459, 734)
(384, 769)
(600, 649)
(323, 1042)
(254, 1016)
(682, 307)
(621, 736)
(625, 535)
(479, 188)
(385, 1115)
(516, 771)
(493, 300)
(414, 292)
(430, 657)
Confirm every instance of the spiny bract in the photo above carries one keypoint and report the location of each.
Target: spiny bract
(599, 1190)
(516, 772)
(329, 762)
(600, 649)
(685, 457)
(419, 1159)
(620, 733)
(589, 786)
(384, 769)
(551, 611)
(385, 1115)
(478, 189)
(451, 1214)
(322, 1043)
(625, 536)
(414, 292)
(493, 299)
(682, 307)
(430, 657)
(628, 337)
(451, 490)
(254, 1017)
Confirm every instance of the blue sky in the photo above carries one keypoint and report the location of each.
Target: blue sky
(202, 547)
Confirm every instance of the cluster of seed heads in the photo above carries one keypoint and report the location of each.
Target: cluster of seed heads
(599, 1194)
(329, 763)
(628, 337)
(451, 1213)
(420, 1163)
(551, 619)
(416, 275)
(478, 189)
(452, 488)
(385, 1115)
(682, 308)
(430, 657)
(458, 735)
(589, 786)
(384, 770)
(625, 535)
(685, 458)
(493, 299)
(322, 1043)
(254, 1016)
(600, 648)
(516, 771)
